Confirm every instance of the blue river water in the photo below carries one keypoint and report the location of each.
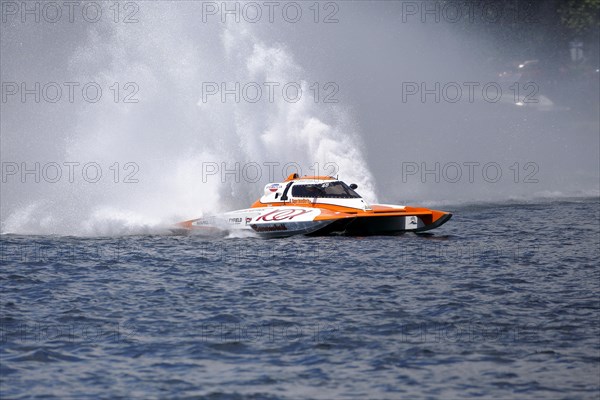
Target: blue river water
(501, 302)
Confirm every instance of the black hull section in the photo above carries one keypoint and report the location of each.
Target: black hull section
(441, 221)
(378, 225)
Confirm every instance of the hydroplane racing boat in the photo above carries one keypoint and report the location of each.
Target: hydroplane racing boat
(317, 205)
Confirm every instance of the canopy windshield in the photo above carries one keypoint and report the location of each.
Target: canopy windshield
(328, 189)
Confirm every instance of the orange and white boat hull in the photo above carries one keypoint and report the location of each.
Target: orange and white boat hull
(284, 221)
(317, 206)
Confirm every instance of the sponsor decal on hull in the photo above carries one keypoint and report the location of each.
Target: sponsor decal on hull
(270, 228)
(281, 215)
(274, 187)
(411, 222)
(201, 222)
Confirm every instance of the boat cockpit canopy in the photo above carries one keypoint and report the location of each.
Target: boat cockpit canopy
(338, 190)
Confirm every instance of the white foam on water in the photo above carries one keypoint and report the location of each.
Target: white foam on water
(171, 131)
